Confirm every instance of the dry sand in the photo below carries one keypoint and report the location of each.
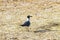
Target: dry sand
(46, 16)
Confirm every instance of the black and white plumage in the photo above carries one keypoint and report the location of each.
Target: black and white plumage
(27, 23)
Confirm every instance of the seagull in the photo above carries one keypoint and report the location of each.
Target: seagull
(27, 23)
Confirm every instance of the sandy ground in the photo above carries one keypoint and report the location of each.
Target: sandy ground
(45, 23)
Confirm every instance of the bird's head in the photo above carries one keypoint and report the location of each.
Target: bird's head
(29, 16)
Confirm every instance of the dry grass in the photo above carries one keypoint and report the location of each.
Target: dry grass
(46, 16)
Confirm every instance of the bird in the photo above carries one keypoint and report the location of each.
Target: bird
(27, 23)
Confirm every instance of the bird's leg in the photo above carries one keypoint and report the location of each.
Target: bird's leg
(27, 28)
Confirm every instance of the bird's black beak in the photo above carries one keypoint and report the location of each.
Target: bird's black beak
(30, 16)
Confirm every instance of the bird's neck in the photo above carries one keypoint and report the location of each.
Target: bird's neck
(28, 19)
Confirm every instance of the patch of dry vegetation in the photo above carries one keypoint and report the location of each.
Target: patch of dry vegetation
(46, 15)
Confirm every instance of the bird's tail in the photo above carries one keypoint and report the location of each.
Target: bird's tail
(21, 25)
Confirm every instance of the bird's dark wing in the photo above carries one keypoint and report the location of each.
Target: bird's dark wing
(27, 23)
